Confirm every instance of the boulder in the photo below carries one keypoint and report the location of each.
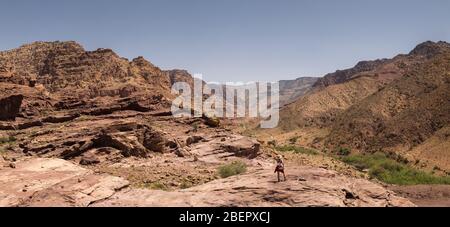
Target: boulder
(211, 121)
(128, 147)
(242, 147)
(10, 107)
(154, 140)
(173, 144)
(180, 152)
(89, 160)
(193, 139)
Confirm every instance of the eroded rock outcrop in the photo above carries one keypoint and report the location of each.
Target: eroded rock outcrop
(10, 107)
(242, 147)
(55, 182)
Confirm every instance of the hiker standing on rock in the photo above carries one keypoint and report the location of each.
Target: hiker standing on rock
(280, 168)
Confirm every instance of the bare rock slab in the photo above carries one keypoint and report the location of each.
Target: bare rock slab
(319, 188)
(54, 182)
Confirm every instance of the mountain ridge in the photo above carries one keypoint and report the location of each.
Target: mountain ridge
(373, 106)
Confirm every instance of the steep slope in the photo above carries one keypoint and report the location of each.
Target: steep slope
(390, 105)
(59, 75)
(178, 75)
(341, 76)
(402, 115)
(339, 91)
(322, 105)
(336, 92)
(291, 90)
(67, 69)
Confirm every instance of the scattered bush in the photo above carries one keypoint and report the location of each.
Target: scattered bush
(294, 140)
(7, 139)
(195, 126)
(296, 149)
(213, 122)
(6, 143)
(343, 151)
(272, 143)
(185, 184)
(158, 186)
(390, 171)
(82, 118)
(234, 168)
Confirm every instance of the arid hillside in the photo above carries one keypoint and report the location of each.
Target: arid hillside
(399, 105)
(291, 90)
(67, 69)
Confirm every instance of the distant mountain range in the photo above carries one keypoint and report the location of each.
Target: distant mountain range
(291, 90)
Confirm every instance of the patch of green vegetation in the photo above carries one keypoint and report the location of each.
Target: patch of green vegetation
(195, 126)
(83, 118)
(7, 139)
(157, 186)
(185, 184)
(231, 169)
(343, 151)
(294, 140)
(34, 134)
(390, 171)
(296, 149)
(7, 143)
(272, 143)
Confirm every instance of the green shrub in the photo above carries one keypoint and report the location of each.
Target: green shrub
(231, 169)
(157, 186)
(272, 143)
(195, 126)
(296, 149)
(293, 140)
(343, 151)
(6, 143)
(391, 171)
(185, 185)
(7, 139)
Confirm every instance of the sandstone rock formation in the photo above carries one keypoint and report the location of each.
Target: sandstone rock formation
(67, 68)
(10, 107)
(54, 182)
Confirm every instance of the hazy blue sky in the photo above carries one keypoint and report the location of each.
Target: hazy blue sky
(233, 40)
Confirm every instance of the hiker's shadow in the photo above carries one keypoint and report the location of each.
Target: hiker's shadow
(276, 181)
